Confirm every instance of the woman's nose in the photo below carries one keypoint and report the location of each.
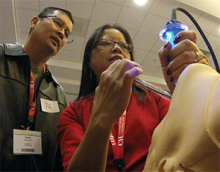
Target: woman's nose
(116, 48)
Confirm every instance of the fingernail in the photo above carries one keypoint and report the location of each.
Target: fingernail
(177, 39)
(171, 79)
(168, 71)
(165, 46)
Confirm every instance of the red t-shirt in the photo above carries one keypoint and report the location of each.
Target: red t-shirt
(141, 120)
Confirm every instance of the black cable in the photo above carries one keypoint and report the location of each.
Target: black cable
(173, 16)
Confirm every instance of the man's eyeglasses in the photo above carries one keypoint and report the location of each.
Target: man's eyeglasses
(60, 25)
(126, 47)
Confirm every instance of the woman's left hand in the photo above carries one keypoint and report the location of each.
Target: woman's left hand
(175, 60)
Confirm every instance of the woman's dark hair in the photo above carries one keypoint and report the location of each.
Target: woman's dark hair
(50, 10)
(88, 78)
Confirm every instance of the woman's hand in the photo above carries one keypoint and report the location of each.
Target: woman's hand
(175, 59)
(113, 92)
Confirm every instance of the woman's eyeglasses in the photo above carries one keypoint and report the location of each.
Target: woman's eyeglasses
(126, 47)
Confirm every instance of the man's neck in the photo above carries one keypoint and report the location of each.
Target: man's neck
(38, 58)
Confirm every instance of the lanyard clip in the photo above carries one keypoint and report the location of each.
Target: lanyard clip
(119, 163)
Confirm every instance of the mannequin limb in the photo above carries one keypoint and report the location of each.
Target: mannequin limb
(188, 138)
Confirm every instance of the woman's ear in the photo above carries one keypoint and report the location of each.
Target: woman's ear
(90, 65)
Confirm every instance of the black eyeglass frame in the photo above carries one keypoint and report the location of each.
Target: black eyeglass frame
(97, 43)
(70, 35)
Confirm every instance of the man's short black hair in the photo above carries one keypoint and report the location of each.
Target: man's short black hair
(50, 10)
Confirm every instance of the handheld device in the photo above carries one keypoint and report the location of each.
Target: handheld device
(168, 33)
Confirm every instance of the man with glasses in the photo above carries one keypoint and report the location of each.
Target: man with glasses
(31, 98)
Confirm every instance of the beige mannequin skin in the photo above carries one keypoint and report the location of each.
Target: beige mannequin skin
(188, 138)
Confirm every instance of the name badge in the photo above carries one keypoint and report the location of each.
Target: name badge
(27, 142)
(49, 106)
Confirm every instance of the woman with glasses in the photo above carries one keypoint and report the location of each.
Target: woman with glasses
(110, 124)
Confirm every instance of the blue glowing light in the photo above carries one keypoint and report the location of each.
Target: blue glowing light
(168, 33)
(170, 37)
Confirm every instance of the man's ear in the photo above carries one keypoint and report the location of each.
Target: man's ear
(34, 21)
